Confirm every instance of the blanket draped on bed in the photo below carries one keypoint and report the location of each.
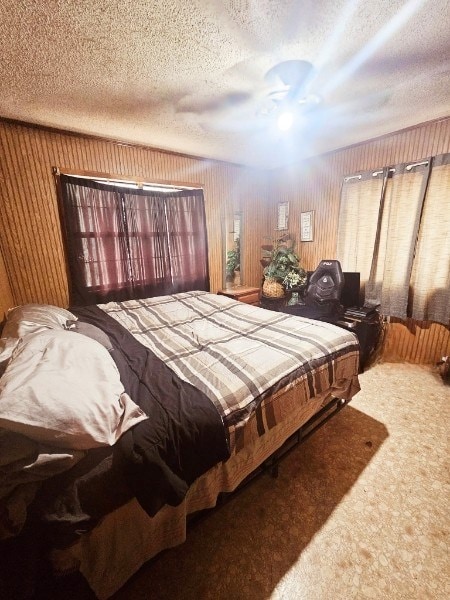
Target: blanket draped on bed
(184, 435)
(238, 354)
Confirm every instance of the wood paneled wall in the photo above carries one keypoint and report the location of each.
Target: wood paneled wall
(6, 298)
(316, 184)
(30, 234)
(33, 265)
(419, 342)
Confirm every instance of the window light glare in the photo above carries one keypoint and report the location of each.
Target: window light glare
(126, 184)
(152, 188)
(159, 188)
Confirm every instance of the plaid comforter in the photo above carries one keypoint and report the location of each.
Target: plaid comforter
(235, 353)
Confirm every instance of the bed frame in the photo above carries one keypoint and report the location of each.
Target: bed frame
(110, 554)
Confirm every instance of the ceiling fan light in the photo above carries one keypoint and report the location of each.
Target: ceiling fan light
(285, 120)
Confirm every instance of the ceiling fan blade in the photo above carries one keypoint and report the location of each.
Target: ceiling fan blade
(292, 73)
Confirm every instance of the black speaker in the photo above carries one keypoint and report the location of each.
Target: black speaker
(350, 291)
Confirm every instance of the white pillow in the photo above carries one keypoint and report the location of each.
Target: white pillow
(64, 390)
(7, 346)
(30, 318)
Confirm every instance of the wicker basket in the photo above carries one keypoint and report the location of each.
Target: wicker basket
(272, 288)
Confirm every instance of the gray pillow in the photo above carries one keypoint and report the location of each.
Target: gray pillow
(26, 319)
(91, 331)
(30, 318)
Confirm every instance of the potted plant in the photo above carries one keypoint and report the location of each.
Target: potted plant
(295, 282)
(233, 261)
(282, 268)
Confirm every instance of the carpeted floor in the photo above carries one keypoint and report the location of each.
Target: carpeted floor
(358, 511)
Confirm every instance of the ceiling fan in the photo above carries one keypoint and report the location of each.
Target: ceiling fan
(290, 94)
(281, 94)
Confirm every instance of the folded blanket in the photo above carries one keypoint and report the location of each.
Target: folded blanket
(184, 435)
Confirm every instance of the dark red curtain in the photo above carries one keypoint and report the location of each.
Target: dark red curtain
(127, 243)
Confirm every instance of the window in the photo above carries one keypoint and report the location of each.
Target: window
(127, 242)
(394, 228)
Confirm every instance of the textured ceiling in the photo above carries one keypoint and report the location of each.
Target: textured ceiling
(188, 76)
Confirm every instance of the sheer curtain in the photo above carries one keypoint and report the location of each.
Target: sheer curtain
(130, 243)
(399, 225)
(397, 251)
(145, 218)
(361, 196)
(188, 244)
(430, 281)
(97, 253)
(168, 243)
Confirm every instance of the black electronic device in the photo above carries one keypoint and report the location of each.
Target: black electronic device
(350, 294)
(360, 311)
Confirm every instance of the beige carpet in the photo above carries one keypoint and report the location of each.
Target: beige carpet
(358, 511)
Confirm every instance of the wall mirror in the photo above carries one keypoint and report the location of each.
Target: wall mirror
(233, 254)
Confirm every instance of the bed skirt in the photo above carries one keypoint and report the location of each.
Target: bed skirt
(125, 539)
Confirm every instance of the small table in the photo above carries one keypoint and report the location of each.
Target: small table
(369, 331)
(249, 295)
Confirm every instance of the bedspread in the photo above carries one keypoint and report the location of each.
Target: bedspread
(238, 354)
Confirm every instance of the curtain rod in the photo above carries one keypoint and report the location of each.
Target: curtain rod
(115, 178)
(418, 164)
(390, 170)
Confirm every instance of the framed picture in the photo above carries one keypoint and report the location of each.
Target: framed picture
(236, 226)
(282, 215)
(307, 226)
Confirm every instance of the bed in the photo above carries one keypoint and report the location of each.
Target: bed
(135, 414)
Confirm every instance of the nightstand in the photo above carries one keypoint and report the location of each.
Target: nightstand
(369, 331)
(249, 295)
(276, 304)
